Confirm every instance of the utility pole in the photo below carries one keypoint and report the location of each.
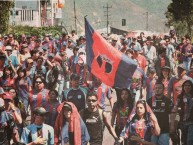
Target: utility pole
(75, 16)
(107, 7)
(147, 21)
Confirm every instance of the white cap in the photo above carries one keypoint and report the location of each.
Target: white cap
(8, 48)
(162, 42)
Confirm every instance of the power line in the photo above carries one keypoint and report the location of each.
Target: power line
(107, 14)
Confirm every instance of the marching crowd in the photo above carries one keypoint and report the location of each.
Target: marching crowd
(48, 95)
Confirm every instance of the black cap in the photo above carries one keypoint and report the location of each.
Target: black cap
(166, 67)
(74, 76)
(152, 70)
(40, 110)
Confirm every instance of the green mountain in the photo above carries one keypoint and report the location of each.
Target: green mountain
(139, 14)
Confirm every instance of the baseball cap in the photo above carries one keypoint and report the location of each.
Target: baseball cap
(162, 42)
(181, 66)
(166, 67)
(51, 55)
(124, 43)
(67, 106)
(152, 70)
(40, 110)
(45, 48)
(74, 76)
(8, 48)
(136, 48)
(24, 46)
(30, 60)
(7, 96)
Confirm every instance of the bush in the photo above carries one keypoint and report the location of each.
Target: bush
(38, 31)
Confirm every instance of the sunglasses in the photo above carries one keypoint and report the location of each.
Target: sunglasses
(12, 92)
(38, 82)
(42, 115)
(8, 50)
(92, 100)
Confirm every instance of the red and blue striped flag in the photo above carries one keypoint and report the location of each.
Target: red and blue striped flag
(114, 68)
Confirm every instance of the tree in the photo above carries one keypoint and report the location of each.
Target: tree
(180, 13)
(5, 7)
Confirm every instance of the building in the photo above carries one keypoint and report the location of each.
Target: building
(35, 13)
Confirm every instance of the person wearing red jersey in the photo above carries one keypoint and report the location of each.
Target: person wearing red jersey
(140, 58)
(39, 95)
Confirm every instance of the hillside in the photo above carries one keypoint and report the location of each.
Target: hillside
(134, 11)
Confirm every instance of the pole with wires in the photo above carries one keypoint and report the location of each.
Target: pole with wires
(75, 15)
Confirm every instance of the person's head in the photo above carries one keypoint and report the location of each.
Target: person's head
(2, 60)
(39, 61)
(125, 95)
(34, 54)
(21, 72)
(29, 63)
(129, 53)
(114, 40)
(46, 37)
(67, 110)
(11, 37)
(7, 71)
(12, 92)
(165, 71)
(159, 89)
(162, 52)
(92, 100)
(65, 36)
(53, 94)
(152, 72)
(9, 50)
(136, 49)
(74, 79)
(51, 57)
(39, 115)
(141, 108)
(75, 50)
(162, 43)
(187, 87)
(39, 83)
(24, 49)
(125, 44)
(7, 98)
(148, 41)
(188, 39)
(63, 56)
(142, 34)
(181, 71)
(73, 32)
(167, 39)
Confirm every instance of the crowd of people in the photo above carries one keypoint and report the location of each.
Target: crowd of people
(48, 95)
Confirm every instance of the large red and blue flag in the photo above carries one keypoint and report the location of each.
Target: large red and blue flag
(106, 62)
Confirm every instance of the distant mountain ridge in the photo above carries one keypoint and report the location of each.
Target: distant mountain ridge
(134, 11)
